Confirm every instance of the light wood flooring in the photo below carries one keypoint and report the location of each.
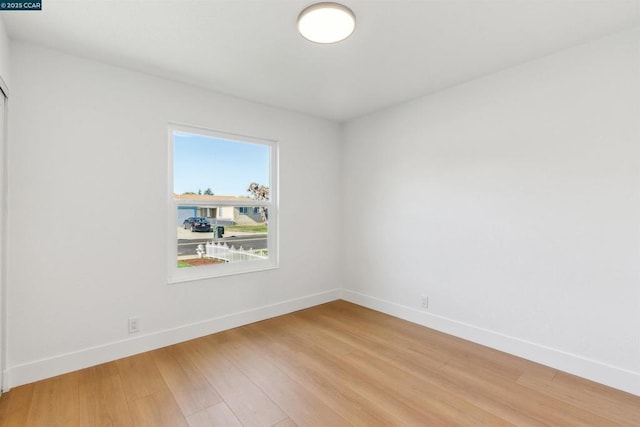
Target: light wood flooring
(332, 365)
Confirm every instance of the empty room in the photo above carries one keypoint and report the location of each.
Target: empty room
(288, 213)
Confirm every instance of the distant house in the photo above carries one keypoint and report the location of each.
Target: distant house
(247, 215)
(224, 215)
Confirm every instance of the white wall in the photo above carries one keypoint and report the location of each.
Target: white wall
(4, 53)
(4, 80)
(87, 214)
(516, 209)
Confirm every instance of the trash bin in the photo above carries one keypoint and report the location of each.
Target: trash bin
(219, 231)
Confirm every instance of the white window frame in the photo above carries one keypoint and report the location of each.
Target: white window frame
(179, 275)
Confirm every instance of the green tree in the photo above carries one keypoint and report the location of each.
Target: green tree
(208, 192)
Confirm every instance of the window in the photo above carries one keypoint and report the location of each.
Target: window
(223, 210)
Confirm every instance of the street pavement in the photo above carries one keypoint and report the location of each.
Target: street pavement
(188, 241)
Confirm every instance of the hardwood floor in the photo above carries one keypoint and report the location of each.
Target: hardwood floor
(331, 365)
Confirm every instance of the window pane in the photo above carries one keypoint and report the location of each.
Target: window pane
(216, 240)
(204, 165)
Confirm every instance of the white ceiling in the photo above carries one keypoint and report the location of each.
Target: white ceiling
(401, 49)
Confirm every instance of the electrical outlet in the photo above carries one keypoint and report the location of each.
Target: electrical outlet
(424, 301)
(134, 325)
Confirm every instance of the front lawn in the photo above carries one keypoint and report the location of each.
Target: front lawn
(258, 228)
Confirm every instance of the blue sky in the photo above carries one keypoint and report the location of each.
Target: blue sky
(227, 167)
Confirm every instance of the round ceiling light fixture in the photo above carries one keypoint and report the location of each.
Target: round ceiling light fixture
(326, 23)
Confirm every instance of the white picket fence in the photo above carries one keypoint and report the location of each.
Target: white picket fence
(231, 254)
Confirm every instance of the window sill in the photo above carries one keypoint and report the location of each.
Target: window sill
(204, 273)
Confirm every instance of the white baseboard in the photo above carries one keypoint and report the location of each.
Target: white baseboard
(612, 376)
(63, 363)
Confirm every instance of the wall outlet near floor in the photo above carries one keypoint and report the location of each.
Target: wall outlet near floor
(134, 325)
(424, 301)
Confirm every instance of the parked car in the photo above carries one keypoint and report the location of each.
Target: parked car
(197, 223)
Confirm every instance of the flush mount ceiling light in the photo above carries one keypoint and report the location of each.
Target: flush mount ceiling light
(326, 23)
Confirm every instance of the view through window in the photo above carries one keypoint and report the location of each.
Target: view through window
(223, 210)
